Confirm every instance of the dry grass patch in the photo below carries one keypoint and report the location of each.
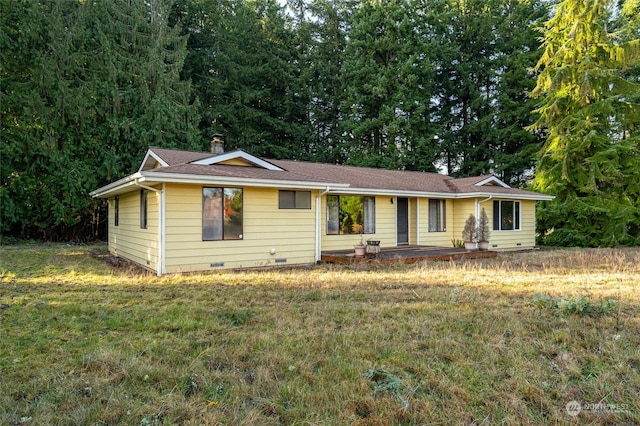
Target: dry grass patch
(87, 343)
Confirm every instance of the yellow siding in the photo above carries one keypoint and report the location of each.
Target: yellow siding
(523, 238)
(236, 162)
(461, 210)
(290, 232)
(385, 228)
(127, 239)
(441, 239)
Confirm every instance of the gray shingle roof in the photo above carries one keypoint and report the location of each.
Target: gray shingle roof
(364, 178)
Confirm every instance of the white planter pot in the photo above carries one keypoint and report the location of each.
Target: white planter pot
(359, 250)
(469, 246)
(483, 245)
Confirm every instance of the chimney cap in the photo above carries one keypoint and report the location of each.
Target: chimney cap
(217, 144)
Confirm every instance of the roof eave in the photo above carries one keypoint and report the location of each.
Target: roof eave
(434, 194)
(117, 187)
(534, 197)
(160, 177)
(390, 192)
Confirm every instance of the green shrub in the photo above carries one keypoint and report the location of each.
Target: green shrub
(456, 243)
(583, 305)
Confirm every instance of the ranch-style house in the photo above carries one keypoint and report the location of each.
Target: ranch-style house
(186, 211)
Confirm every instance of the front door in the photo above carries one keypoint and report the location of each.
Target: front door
(403, 220)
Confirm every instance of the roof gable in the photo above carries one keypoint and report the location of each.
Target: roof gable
(237, 158)
(152, 161)
(492, 181)
(170, 157)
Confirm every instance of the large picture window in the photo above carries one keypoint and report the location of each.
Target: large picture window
(437, 215)
(506, 215)
(351, 214)
(222, 214)
(294, 200)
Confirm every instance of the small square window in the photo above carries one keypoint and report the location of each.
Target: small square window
(506, 215)
(294, 200)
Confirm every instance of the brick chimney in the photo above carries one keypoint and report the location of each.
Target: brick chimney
(217, 144)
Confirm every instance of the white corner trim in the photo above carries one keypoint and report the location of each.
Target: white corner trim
(492, 179)
(234, 155)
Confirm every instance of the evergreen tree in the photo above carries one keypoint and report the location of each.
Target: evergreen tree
(86, 88)
(514, 148)
(590, 111)
(387, 81)
(484, 52)
(243, 68)
(321, 30)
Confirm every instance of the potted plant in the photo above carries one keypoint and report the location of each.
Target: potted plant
(469, 233)
(484, 232)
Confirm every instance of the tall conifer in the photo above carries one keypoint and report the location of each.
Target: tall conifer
(589, 109)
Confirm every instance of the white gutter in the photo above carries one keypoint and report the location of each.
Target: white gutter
(237, 181)
(107, 190)
(419, 194)
(153, 178)
(318, 224)
(161, 224)
(535, 197)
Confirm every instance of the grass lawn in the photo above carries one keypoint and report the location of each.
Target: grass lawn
(510, 340)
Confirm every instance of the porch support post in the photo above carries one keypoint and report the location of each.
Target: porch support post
(417, 221)
(319, 224)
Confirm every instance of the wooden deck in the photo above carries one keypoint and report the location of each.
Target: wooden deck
(406, 254)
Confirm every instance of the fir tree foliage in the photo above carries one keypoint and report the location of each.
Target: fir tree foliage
(86, 88)
(590, 112)
(243, 68)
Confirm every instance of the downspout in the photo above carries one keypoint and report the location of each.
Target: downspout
(161, 240)
(162, 230)
(318, 218)
(480, 202)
